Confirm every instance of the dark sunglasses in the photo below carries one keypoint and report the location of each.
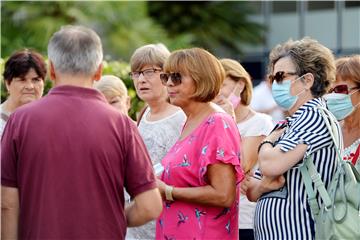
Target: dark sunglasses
(175, 78)
(343, 88)
(279, 76)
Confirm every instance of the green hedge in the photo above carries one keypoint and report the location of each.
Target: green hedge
(117, 68)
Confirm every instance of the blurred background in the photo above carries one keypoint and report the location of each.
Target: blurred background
(242, 30)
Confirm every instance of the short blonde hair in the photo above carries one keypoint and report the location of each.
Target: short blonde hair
(112, 86)
(309, 56)
(348, 68)
(236, 72)
(205, 69)
(152, 54)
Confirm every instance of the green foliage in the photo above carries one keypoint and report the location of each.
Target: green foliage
(123, 26)
(220, 26)
(120, 69)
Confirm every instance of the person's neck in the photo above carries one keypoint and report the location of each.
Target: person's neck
(158, 106)
(300, 101)
(197, 110)
(351, 131)
(9, 106)
(77, 81)
(242, 113)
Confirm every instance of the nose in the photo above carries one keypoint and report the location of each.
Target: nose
(29, 84)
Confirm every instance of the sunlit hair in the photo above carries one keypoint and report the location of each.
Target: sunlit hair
(348, 69)
(75, 50)
(236, 72)
(309, 56)
(20, 62)
(112, 86)
(205, 69)
(152, 54)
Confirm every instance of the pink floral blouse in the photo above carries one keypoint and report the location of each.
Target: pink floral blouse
(215, 140)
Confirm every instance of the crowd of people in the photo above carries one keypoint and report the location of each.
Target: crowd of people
(204, 160)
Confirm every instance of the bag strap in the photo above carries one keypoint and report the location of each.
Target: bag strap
(308, 169)
(310, 174)
(141, 114)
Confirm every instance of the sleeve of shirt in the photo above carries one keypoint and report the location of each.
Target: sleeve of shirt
(9, 156)
(221, 145)
(309, 129)
(139, 175)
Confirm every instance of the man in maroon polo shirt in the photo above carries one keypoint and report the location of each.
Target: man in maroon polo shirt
(66, 158)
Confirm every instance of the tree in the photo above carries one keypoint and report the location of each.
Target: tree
(222, 27)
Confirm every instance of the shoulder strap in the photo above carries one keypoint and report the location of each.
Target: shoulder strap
(308, 169)
(141, 114)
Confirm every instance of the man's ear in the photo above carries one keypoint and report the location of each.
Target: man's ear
(52, 71)
(98, 73)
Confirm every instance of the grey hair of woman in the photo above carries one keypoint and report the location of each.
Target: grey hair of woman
(75, 50)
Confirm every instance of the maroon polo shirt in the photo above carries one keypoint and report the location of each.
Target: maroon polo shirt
(70, 154)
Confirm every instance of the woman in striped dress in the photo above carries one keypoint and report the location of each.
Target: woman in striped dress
(301, 73)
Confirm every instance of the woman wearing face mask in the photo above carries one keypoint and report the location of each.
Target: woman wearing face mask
(344, 102)
(235, 97)
(301, 73)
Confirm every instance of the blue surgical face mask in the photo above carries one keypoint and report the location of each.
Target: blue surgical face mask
(340, 104)
(281, 93)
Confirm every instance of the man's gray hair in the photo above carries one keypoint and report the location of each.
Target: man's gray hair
(75, 50)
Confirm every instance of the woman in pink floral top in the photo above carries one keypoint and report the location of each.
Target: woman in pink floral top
(202, 170)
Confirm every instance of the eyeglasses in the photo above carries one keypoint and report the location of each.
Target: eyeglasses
(175, 78)
(342, 88)
(147, 73)
(279, 76)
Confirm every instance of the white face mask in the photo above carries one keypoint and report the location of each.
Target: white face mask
(340, 104)
(281, 93)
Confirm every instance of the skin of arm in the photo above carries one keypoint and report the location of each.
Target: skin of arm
(254, 188)
(271, 159)
(10, 209)
(145, 207)
(220, 192)
(250, 155)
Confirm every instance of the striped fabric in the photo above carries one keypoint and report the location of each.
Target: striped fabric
(289, 217)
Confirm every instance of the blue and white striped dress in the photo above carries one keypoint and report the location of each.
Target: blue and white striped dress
(286, 214)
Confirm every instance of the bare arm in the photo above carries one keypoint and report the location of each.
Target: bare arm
(145, 207)
(271, 159)
(254, 188)
(249, 152)
(10, 209)
(220, 192)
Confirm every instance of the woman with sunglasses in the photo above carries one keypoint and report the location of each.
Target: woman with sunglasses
(344, 101)
(234, 97)
(202, 170)
(160, 123)
(301, 73)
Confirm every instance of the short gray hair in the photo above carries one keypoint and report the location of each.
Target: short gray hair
(151, 54)
(75, 50)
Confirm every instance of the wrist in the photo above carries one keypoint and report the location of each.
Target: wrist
(168, 193)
